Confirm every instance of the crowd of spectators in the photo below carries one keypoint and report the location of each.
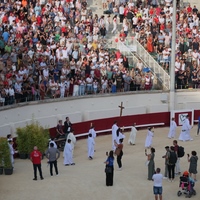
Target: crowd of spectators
(151, 25)
(57, 48)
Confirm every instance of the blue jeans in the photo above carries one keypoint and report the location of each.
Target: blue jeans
(157, 190)
(89, 87)
(81, 90)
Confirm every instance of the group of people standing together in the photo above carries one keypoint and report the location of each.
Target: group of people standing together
(172, 156)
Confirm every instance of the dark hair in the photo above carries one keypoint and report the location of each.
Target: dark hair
(121, 140)
(153, 150)
(158, 170)
(111, 154)
(175, 141)
(8, 136)
(51, 144)
(167, 147)
(68, 140)
(172, 148)
(90, 135)
(194, 153)
(117, 132)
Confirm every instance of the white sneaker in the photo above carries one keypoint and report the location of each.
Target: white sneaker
(191, 139)
(165, 177)
(120, 169)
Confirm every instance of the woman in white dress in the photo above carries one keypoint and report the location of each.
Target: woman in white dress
(149, 138)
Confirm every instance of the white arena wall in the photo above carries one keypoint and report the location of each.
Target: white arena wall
(81, 109)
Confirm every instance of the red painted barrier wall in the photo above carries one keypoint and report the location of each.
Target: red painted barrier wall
(106, 123)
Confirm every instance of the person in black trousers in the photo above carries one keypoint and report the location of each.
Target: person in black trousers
(110, 163)
(119, 153)
(53, 154)
(171, 162)
(67, 127)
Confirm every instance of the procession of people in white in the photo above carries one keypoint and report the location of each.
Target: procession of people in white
(117, 134)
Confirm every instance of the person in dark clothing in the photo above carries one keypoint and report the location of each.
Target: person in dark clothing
(103, 31)
(52, 154)
(171, 161)
(125, 62)
(67, 126)
(110, 163)
(119, 153)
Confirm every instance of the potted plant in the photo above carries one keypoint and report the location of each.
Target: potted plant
(6, 160)
(38, 136)
(32, 135)
(1, 155)
(22, 145)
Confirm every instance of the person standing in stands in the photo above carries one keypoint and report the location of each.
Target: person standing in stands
(53, 154)
(36, 157)
(67, 126)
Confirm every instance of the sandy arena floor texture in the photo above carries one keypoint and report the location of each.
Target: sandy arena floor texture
(86, 180)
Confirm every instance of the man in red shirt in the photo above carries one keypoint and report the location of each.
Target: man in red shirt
(36, 158)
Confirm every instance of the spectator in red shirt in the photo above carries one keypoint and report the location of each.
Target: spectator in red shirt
(36, 158)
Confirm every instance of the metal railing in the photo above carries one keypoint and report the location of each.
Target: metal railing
(126, 52)
(136, 48)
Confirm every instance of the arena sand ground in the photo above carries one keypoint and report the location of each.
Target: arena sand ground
(86, 180)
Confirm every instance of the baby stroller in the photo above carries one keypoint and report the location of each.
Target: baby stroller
(186, 185)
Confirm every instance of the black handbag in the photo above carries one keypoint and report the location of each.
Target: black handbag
(108, 170)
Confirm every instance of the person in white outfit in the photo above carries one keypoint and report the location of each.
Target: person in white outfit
(71, 137)
(90, 145)
(12, 152)
(133, 133)
(52, 140)
(114, 24)
(114, 134)
(185, 130)
(93, 132)
(68, 158)
(149, 138)
(172, 129)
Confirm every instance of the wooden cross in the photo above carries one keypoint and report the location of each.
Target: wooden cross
(121, 108)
